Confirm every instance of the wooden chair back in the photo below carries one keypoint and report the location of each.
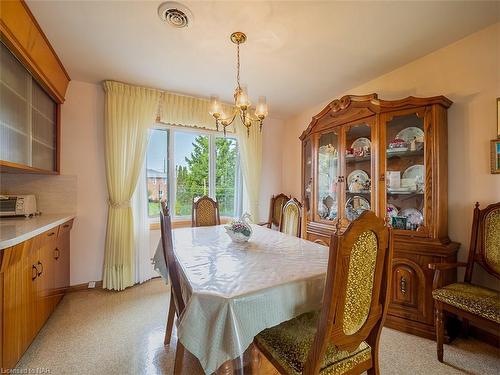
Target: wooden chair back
(168, 252)
(276, 209)
(355, 299)
(205, 212)
(291, 219)
(485, 241)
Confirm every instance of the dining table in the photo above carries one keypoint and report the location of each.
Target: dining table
(234, 290)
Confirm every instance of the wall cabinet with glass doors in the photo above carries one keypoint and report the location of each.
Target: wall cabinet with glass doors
(390, 157)
(33, 84)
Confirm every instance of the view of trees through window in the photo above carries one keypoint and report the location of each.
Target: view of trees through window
(193, 156)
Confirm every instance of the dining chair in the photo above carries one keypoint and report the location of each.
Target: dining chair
(176, 295)
(205, 212)
(275, 210)
(470, 301)
(291, 218)
(343, 336)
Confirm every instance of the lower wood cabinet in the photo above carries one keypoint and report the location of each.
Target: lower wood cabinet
(34, 276)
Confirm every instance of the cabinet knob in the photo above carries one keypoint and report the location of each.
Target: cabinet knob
(34, 275)
(382, 177)
(41, 265)
(57, 253)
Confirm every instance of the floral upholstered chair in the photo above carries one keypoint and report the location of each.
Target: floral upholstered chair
(472, 302)
(291, 218)
(275, 210)
(205, 212)
(343, 337)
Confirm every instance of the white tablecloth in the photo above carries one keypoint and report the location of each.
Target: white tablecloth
(236, 290)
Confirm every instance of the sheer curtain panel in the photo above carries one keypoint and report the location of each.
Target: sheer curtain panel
(129, 112)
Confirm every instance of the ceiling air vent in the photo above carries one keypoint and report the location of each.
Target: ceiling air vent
(175, 14)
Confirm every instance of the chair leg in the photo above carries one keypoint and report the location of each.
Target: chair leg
(170, 322)
(439, 330)
(255, 360)
(179, 356)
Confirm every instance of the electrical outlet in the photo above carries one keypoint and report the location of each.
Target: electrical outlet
(91, 284)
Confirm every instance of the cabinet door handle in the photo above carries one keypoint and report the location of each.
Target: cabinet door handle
(41, 265)
(51, 234)
(34, 275)
(57, 253)
(65, 225)
(402, 285)
(382, 177)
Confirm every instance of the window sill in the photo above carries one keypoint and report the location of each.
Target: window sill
(185, 223)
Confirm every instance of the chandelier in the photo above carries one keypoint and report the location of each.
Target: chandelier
(242, 104)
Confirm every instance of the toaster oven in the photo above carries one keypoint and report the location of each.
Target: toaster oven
(17, 205)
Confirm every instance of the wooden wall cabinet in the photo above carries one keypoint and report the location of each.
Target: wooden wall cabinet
(34, 275)
(351, 163)
(33, 84)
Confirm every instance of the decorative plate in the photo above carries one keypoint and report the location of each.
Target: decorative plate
(416, 171)
(413, 215)
(408, 134)
(359, 175)
(355, 206)
(361, 142)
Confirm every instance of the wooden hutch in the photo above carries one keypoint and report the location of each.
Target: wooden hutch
(391, 157)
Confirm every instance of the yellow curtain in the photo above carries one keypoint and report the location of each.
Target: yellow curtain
(251, 164)
(184, 110)
(129, 112)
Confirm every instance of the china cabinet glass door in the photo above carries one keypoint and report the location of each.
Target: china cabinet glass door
(358, 170)
(308, 181)
(405, 173)
(328, 169)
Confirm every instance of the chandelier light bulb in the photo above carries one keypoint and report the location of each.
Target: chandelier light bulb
(261, 111)
(242, 100)
(215, 107)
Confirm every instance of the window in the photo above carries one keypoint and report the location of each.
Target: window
(182, 164)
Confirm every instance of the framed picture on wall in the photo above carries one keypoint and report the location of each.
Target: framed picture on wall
(495, 156)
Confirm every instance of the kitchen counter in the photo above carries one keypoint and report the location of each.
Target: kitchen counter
(14, 230)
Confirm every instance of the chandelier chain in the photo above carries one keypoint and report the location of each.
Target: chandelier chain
(238, 65)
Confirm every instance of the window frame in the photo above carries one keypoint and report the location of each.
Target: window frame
(171, 180)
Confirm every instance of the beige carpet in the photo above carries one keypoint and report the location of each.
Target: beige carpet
(98, 332)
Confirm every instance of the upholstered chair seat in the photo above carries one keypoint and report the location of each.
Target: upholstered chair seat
(290, 342)
(475, 299)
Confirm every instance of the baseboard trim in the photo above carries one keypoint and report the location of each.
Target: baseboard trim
(82, 287)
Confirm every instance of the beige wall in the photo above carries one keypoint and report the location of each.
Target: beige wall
(82, 155)
(467, 72)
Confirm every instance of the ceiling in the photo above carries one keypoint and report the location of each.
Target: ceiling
(297, 53)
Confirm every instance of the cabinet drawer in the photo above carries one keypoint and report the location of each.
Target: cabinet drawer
(46, 237)
(65, 228)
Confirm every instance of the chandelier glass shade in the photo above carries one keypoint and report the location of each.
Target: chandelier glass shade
(242, 105)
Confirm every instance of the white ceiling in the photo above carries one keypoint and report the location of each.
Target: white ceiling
(297, 53)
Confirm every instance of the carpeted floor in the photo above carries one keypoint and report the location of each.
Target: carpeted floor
(98, 332)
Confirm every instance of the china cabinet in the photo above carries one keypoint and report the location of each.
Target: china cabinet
(363, 153)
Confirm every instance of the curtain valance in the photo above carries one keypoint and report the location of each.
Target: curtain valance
(184, 110)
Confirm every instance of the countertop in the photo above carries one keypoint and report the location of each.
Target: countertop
(14, 230)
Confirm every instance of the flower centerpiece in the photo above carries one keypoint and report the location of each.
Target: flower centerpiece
(240, 230)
